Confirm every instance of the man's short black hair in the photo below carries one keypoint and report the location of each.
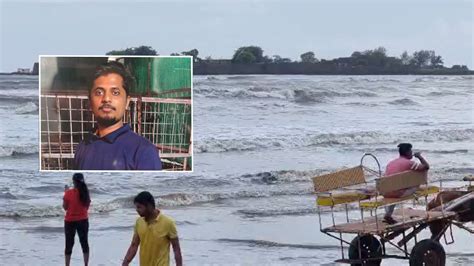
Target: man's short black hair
(116, 68)
(145, 198)
(404, 148)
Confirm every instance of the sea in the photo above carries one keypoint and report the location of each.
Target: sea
(258, 141)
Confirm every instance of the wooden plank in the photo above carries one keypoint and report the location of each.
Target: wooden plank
(407, 218)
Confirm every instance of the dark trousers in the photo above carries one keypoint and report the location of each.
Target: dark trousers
(82, 228)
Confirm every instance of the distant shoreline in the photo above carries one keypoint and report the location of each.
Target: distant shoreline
(203, 69)
(316, 69)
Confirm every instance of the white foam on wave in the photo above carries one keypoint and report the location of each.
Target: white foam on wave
(27, 108)
(7, 150)
(215, 145)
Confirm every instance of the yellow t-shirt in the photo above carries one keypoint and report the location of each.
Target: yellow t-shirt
(155, 240)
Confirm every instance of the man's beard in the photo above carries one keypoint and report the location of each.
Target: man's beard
(107, 121)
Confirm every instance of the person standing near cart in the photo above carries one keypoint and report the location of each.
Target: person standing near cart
(76, 202)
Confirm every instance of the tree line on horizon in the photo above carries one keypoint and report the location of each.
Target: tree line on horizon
(377, 57)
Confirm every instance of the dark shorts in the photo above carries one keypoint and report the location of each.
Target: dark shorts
(82, 228)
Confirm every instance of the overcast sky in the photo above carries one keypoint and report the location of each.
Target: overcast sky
(332, 28)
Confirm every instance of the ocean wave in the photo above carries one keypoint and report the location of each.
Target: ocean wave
(392, 150)
(282, 176)
(167, 200)
(27, 108)
(188, 199)
(372, 80)
(241, 77)
(362, 104)
(403, 101)
(18, 79)
(270, 244)
(304, 96)
(426, 79)
(458, 170)
(278, 212)
(47, 188)
(34, 211)
(289, 93)
(440, 93)
(15, 99)
(44, 229)
(60, 229)
(215, 145)
(31, 211)
(18, 151)
(7, 195)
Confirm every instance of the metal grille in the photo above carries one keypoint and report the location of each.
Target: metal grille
(66, 119)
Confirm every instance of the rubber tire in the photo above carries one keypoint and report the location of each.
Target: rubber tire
(417, 255)
(370, 245)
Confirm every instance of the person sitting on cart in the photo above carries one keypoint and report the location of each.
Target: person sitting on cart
(402, 164)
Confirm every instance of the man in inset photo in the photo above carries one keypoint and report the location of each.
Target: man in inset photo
(112, 145)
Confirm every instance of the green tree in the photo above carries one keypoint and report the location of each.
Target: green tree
(405, 58)
(460, 67)
(256, 51)
(308, 57)
(245, 57)
(356, 54)
(421, 58)
(194, 53)
(267, 59)
(278, 59)
(376, 57)
(436, 61)
(141, 50)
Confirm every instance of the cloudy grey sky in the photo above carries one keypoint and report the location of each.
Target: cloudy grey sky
(331, 28)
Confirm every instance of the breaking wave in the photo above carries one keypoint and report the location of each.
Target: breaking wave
(391, 150)
(17, 99)
(289, 93)
(216, 145)
(403, 101)
(18, 151)
(282, 176)
(28, 108)
(168, 200)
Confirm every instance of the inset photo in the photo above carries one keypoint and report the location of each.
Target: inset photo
(115, 113)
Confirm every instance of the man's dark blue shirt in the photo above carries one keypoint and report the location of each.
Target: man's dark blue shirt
(122, 149)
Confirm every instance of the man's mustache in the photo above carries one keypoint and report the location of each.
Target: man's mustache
(107, 106)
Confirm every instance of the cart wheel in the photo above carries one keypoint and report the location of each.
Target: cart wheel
(370, 248)
(427, 252)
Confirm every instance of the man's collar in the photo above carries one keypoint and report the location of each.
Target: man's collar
(154, 220)
(111, 137)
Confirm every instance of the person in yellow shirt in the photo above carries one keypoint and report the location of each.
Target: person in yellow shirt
(153, 233)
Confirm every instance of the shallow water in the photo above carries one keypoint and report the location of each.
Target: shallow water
(258, 141)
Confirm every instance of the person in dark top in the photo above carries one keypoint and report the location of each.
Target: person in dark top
(112, 145)
(76, 202)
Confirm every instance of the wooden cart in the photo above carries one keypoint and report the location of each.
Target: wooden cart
(351, 187)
